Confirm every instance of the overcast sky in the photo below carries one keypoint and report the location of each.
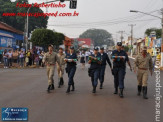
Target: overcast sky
(106, 14)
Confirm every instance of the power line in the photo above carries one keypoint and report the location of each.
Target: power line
(99, 24)
(121, 32)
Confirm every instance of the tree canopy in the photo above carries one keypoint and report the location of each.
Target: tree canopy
(99, 36)
(158, 32)
(44, 37)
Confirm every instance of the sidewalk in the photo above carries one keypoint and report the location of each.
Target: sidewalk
(16, 66)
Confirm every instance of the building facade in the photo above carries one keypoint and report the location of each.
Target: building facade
(10, 38)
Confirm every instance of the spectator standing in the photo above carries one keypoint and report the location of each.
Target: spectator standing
(21, 58)
(5, 58)
(82, 59)
(37, 60)
(1, 55)
(10, 57)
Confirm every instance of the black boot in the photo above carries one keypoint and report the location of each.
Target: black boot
(59, 83)
(101, 86)
(145, 92)
(73, 88)
(49, 88)
(52, 87)
(62, 81)
(121, 93)
(94, 89)
(116, 91)
(139, 90)
(68, 89)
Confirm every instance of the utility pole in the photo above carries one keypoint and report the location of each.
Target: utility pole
(46, 7)
(121, 32)
(132, 26)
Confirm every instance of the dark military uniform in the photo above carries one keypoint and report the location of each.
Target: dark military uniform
(94, 70)
(71, 69)
(119, 70)
(104, 58)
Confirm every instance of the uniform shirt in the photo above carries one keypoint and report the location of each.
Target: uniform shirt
(105, 58)
(51, 58)
(95, 64)
(143, 62)
(120, 63)
(71, 56)
(61, 59)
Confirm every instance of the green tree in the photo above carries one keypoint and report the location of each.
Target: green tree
(99, 36)
(44, 37)
(158, 32)
(59, 37)
(126, 48)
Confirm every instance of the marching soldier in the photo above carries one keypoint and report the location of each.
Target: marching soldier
(104, 58)
(144, 63)
(50, 58)
(119, 68)
(61, 67)
(71, 60)
(94, 70)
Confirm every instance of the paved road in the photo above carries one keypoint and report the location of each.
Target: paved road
(27, 88)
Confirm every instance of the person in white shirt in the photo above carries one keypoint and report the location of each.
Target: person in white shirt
(82, 59)
(21, 58)
(10, 56)
(87, 55)
(5, 58)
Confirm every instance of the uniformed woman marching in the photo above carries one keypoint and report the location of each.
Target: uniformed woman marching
(94, 70)
(120, 58)
(71, 60)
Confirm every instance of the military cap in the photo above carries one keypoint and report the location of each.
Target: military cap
(144, 48)
(119, 43)
(50, 45)
(95, 48)
(60, 48)
(101, 48)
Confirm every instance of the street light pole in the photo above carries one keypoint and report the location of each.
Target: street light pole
(27, 30)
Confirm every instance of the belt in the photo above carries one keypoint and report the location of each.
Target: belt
(143, 68)
(51, 64)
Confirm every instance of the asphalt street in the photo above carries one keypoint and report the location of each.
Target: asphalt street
(27, 88)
